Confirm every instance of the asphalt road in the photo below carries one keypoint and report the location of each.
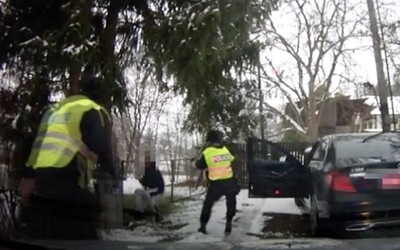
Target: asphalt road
(305, 243)
(281, 231)
(292, 226)
(283, 226)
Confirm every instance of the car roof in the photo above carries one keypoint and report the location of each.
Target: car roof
(358, 136)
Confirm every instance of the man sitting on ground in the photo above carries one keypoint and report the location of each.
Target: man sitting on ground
(152, 191)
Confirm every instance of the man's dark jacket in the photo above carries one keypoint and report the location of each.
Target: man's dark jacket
(153, 178)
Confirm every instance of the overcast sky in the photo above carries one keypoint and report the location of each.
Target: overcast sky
(364, 67)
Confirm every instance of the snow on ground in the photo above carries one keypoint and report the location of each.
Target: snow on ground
(128, 235)
(179, 179)
(183, 222)
(248, 220)
(131, 183)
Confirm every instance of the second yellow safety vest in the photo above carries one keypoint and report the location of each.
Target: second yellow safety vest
(218, 163)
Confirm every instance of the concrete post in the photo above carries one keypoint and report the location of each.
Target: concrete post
(110, 193)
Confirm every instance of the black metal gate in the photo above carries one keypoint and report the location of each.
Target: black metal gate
(262, 150)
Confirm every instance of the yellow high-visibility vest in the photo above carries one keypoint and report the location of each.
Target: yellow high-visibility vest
(59, 138)
(218, 163)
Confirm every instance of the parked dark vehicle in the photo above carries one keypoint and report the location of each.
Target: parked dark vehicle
(351, 181)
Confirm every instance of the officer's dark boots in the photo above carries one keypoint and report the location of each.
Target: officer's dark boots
(202, 229)
(156, 208)
(228, 227)
(158, 217)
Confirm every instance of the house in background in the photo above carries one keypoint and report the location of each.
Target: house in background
(343, 115)
(374, 122)
(339, 115)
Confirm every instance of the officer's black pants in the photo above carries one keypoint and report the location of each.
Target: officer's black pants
(216, 190)
(52, 218)
(62, 210)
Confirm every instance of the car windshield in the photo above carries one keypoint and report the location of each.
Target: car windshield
(353, 153)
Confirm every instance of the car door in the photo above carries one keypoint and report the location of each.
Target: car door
(317, 166)
(273, 178)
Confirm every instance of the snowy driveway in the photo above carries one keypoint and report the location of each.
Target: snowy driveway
(259, 224)
(181, 225)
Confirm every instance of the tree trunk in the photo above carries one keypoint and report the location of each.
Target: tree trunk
(138, 167)
(261, 104)
(313, 123)
(108, 43)
(75, 70)
(382, 86)
(111, 28)
(111, 203)
(74, 75)
(313, 128)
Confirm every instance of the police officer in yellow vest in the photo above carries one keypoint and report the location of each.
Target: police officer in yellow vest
(71, 139)
(217, 159)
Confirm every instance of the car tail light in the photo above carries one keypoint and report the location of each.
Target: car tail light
(339, 182)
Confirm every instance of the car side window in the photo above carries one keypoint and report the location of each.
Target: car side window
(320, 151)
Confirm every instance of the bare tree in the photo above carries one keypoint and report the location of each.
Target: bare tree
(314, 51)
(392, 44)
(173, 144)
(389, 23)
(147, 105)
(382, 86)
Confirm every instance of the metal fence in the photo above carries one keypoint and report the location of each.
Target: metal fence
(9, 204)
(262, 150)
(9, 207)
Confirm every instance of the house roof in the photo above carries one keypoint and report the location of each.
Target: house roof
(372, 100)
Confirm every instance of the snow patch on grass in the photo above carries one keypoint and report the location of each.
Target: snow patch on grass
(128, 235)
(198, 237)
(131, 184)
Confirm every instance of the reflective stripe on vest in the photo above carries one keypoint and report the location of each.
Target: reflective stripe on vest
(219, 163)
(76, 144)
(59, 138)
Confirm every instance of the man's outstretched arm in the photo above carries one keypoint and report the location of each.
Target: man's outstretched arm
(201, 163)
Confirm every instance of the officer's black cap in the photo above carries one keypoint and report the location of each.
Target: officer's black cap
(90, 87)
(214, 136)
